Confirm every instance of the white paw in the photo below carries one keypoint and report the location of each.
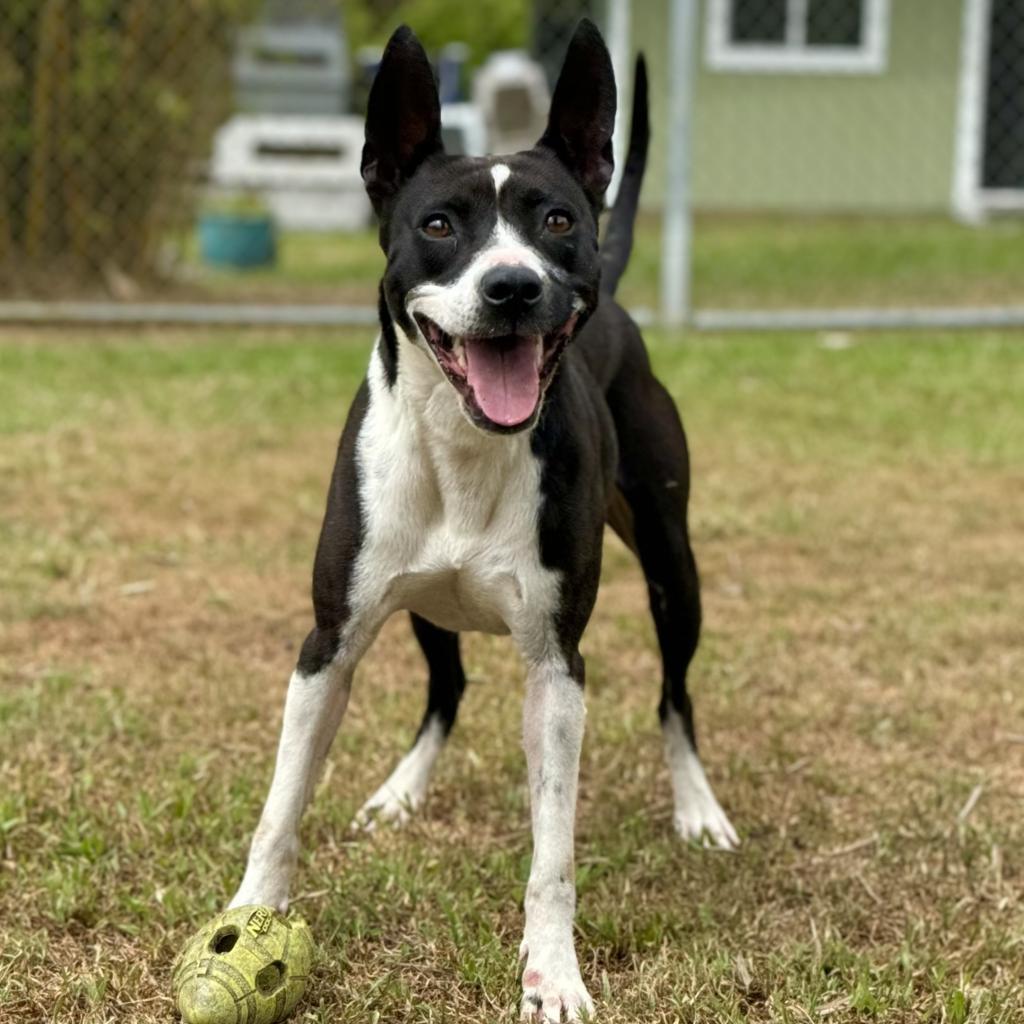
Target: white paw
(552, 987)
(387, 807)
(702, 819)
(697, 816)
(406, 787)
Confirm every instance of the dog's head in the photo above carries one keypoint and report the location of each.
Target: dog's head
(492, 264)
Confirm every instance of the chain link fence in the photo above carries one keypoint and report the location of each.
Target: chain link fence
(863, 155)
(1002, 162)
(106, 108)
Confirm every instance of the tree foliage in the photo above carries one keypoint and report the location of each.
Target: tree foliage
(483, 25)
(107, 105)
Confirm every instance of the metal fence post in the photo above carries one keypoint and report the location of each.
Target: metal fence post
(617, 31)
(967, 169)
(677, 232)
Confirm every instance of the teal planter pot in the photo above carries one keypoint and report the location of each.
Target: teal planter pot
(233, 240)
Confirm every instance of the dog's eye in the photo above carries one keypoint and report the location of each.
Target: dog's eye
(558, 222)
(436, 226)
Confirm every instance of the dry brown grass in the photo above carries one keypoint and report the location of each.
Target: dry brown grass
(859, 683)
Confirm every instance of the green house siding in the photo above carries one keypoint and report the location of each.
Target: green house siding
(820, 142)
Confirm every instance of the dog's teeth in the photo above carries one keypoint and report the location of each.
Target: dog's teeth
(460, 353)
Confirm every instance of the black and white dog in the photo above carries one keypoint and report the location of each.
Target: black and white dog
(508, 413)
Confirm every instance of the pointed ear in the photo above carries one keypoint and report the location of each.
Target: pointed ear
(403, 117)
(582, 116)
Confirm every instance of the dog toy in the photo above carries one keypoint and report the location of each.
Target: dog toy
(248, 965)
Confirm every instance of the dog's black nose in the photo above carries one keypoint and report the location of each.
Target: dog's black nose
(511, 289)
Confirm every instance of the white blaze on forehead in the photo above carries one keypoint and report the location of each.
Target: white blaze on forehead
(506, 247)
(500, 173)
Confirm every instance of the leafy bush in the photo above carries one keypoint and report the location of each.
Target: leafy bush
(483, 25)
(106, 105)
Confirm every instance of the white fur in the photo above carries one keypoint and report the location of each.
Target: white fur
(697, 812)
(553, 718)
(312, 712)
(406, 787)
(500, 173)
(450, 513)
(450, 532)
(456, 307)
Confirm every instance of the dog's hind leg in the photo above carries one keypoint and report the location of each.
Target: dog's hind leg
(406, 787)
(654, 481)
(675, 606)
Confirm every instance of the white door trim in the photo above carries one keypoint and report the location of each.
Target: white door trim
(969, 148)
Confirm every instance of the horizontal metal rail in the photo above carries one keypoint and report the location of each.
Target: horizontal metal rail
(188, 314)
(710, 320)
(913, 318)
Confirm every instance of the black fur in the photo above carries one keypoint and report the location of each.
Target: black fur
(388, 339)
(446, 680)
(575, 441)
(340, 538)
(403, 122)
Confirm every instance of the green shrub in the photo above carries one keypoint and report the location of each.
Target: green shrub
(107, 105)
(483, 25)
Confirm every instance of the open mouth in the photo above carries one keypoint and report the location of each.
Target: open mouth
(501, 378)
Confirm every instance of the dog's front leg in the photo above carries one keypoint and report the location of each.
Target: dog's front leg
(552, 735)
(317, 697)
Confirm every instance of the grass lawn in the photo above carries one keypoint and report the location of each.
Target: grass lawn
(739, 263)
(859, 521)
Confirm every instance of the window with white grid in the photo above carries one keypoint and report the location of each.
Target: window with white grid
(827, 36)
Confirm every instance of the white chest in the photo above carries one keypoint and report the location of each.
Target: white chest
(449, 515)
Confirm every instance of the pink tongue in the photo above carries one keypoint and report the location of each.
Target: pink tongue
(504, 376)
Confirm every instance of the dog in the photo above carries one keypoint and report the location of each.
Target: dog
(509, 411)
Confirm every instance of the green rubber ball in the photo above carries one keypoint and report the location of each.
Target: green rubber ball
(249, 965)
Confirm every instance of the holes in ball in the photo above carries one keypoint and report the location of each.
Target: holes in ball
(271, 978)
(225, 939)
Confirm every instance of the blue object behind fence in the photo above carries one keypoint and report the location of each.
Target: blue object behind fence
(237, 241)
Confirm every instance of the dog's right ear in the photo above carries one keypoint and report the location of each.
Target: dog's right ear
(403, 117)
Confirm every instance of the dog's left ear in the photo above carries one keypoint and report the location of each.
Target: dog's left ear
(403, 117)
(582, 117)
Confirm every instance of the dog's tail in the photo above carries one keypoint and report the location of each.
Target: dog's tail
(618, 239)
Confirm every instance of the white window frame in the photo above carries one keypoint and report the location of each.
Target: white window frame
(795, 55)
